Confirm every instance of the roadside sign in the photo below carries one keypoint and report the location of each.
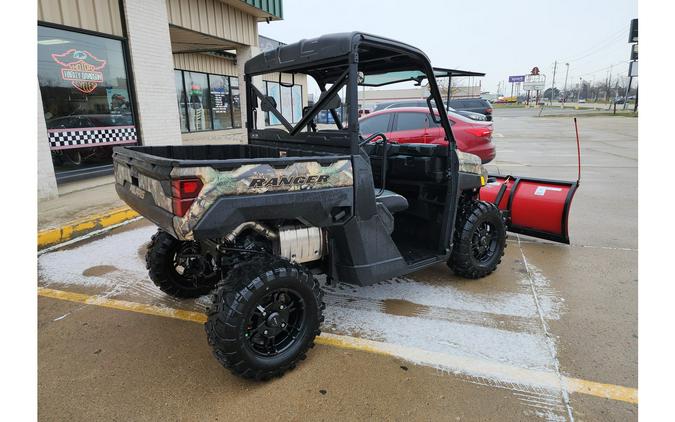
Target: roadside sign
(634, 52)
(534, 82)
(633, 33)
(518, 78)
(633, 69)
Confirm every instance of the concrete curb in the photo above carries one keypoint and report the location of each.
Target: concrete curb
(82, 227)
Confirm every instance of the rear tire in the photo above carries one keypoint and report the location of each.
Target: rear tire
(162, 261)
(265, 316)
(480, 240)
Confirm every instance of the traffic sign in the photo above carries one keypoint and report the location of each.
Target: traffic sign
(518, 78)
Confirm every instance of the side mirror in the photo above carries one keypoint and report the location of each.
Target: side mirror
(333, 103)
(268, 103)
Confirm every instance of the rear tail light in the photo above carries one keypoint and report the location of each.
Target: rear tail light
(480, 132)
(184, 192)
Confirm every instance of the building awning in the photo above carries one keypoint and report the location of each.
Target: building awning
(188, 41)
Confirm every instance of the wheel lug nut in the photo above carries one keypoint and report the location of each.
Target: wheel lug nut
(265, 332)
(281, 307)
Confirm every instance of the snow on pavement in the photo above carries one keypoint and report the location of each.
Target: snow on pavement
(447, 318)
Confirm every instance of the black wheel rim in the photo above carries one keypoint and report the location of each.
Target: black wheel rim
(188, 264)
(484, 242)
(275, 323)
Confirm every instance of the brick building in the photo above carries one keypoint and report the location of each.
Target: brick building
(150, 72)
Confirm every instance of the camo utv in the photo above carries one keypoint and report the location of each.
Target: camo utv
(255, 224)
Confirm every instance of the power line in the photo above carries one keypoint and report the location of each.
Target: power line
(603, 69)
(600, 48)
(614, 36)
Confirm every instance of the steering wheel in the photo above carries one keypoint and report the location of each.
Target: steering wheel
(373, 136)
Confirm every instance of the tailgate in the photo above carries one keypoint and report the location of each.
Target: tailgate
(144, 184)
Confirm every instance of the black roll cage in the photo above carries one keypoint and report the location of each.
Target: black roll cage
(330, 69)
(325, 59)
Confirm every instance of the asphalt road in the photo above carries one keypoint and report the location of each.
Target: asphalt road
(549, 336)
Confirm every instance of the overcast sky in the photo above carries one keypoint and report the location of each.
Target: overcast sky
(500, 38)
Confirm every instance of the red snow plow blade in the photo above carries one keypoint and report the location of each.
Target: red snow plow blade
(534, 207)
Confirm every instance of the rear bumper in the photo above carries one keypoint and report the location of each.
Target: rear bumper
(486, 152)
(147, 208)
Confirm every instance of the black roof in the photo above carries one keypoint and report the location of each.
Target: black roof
(441, 72)
(332, 50)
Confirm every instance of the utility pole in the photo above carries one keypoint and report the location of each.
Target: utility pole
(625, 97)
(555, 66)
(564, 95)
(581, 84)
(609, 82)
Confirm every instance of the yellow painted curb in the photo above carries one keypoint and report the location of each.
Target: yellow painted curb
(79, 228)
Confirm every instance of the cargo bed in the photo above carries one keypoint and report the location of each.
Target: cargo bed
(153, 181)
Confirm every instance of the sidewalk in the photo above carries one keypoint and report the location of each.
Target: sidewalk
(82, 207)
(77, 201)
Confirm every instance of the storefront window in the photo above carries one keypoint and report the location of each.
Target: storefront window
(210, 102)
(182, 100)
(236, 105)
(296, 94)
(220, 101)
(286, 103)
(273, 91)
(199, 110)
(85, 96)
(289, 102)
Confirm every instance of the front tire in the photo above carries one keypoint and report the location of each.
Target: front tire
(264, 318)
(178, 268)
(480, 240)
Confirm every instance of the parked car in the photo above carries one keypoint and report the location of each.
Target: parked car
(422, 103)
(476, 105)
(413, 125)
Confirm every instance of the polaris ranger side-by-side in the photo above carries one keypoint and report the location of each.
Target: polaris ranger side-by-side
(255, 223)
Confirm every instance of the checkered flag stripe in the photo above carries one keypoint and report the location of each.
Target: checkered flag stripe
(66, 138)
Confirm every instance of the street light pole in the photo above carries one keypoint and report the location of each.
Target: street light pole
(564, 96)
(555, 66)
(581, 84)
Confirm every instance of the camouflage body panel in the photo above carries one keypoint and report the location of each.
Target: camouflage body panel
(257, 179)
(469, 163)
(145, 184)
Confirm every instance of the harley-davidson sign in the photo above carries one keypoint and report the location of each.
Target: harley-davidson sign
(81, 68)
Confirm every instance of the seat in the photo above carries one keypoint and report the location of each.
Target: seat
(391, 200)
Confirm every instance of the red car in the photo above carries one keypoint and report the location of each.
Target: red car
(413, 125)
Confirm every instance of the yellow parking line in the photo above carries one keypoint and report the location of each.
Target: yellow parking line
(79, 228)
(123, 305)
(541, 378)
(607, 391)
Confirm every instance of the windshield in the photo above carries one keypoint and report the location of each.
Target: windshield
(315, 97)
(285, 99)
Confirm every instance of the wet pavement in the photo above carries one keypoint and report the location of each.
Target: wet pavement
(462, 349)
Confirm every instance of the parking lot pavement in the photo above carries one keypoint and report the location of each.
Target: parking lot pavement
(548, 336)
